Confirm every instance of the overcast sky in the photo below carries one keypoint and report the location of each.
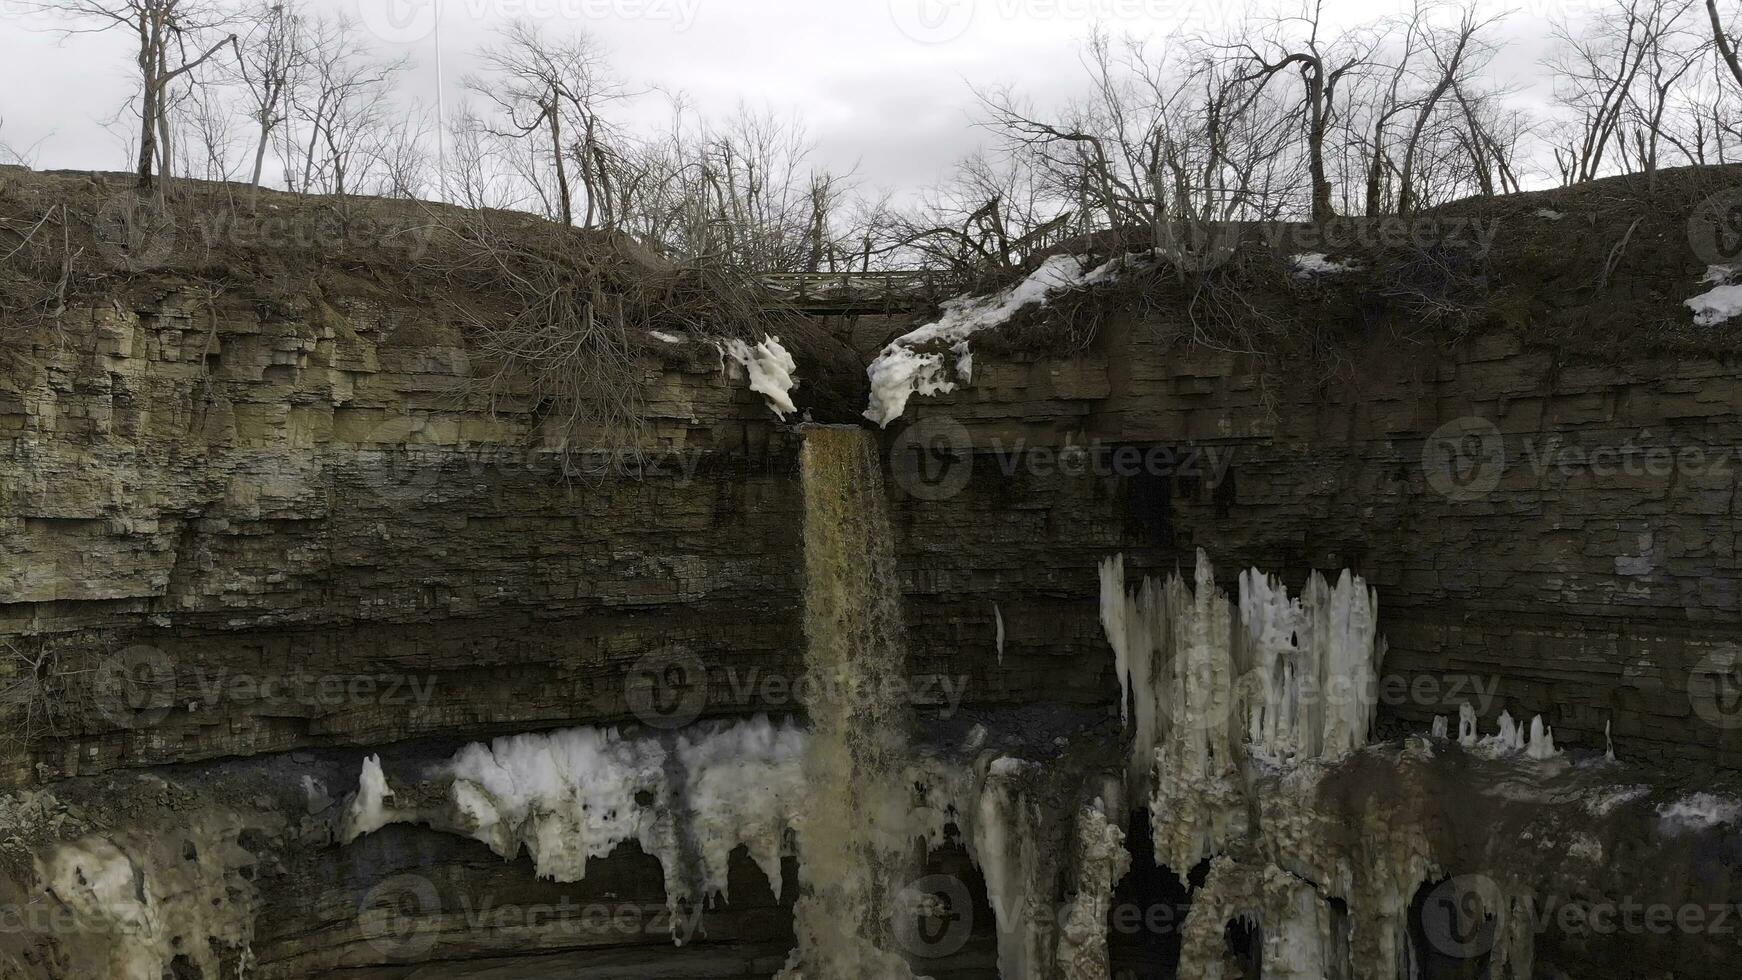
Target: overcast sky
(883, 84)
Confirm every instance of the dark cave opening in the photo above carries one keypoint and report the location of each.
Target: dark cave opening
(1243, 956)
(1148, 911)
(1453, 929)
(955, 937)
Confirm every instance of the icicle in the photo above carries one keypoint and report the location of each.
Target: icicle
(1541, 745)
(998, 621)
(1439, 730)
(1114, 607)
(1608, 743)
(367, 811)
(1466, 725)
(1509, 737)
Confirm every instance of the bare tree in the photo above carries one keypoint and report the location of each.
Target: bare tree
(1725, 43)
(1453, 50)
(271, 55)
(1322, 66)
(175, 37)
(343, 97)
(1596, 69)
(556, 89)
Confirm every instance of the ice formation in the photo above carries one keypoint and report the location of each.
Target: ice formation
(998, 626)
(1720, 303)
(1294, 679)
(1467, 725)
(140, 902)
(916, 361)
(576, 794)
(1541, 745)
(772, 371)
(367, 810)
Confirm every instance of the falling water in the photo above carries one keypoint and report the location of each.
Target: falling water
(859, 723)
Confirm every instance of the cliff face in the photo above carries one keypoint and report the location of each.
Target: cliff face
(288, 535)
(276, 543)
(1550, 538)
(294, 534)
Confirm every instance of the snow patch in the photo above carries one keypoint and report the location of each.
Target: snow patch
(772, 371)
(902, 370)
(665, 338)
(1720, 303)
(1311, 264)
(1699, 811)
(1550, 214)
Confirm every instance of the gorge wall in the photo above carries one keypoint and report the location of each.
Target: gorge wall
(274, 544)
(258, 500)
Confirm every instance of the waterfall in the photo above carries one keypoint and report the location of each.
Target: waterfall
(851, 851)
